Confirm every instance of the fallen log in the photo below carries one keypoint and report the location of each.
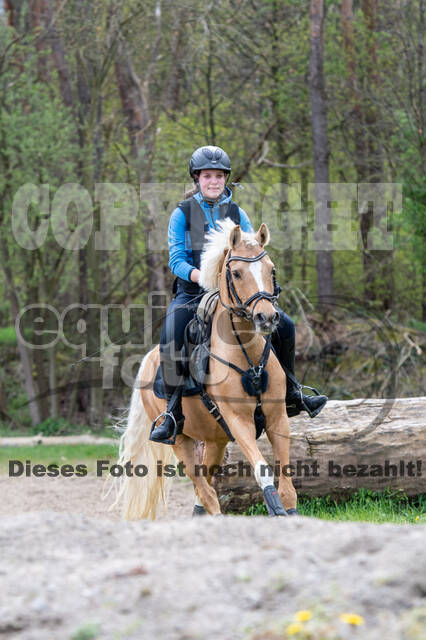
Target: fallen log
(373, 443)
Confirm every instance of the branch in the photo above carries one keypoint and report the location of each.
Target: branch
(108, 295)
(259, 145)
(284, 166)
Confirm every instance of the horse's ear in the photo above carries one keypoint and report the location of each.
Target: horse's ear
(263, 236)
(235, 237)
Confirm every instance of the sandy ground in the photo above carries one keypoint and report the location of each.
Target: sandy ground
(80, 496)
(71, 570)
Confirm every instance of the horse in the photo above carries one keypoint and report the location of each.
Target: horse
(237, 263)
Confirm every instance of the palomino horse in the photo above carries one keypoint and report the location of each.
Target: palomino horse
(237, 263)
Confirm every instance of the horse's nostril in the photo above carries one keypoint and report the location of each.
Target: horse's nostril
(276, 318)
(260, 318)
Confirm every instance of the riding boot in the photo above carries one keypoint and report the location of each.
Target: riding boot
(173, 418)
(296, 401)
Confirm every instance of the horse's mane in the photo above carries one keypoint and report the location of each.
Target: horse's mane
(212, 257)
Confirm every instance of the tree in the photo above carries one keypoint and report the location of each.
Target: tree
(33, 271)
(321, 156)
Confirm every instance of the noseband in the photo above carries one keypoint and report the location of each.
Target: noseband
(241, 309)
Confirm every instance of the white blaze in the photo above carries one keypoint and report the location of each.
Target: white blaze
(256, 269)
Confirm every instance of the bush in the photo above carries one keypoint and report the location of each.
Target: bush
(56, 427)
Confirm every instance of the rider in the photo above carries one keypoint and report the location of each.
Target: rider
(210, 168)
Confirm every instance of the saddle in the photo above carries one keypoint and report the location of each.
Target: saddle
(195, 359)
(196, 347)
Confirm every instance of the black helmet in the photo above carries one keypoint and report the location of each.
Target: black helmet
(209, 158)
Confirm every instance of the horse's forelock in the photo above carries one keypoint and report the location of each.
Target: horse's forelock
(217, 242)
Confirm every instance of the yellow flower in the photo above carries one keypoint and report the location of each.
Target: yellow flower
(303, 616)
(417, 517)
(294, 628)
(351, 618)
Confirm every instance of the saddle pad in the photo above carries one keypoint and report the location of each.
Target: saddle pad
(190, 387)
(207, 305)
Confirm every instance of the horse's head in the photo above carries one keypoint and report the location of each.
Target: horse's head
(246, 274)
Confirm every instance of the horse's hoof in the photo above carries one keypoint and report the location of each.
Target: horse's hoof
(293, 512)
(198, 510)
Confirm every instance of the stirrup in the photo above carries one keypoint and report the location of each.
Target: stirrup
(177, 428)
(295, 409)
(315, 412)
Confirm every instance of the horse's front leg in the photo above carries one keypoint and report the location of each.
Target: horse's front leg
(279, 437)
(245, 436)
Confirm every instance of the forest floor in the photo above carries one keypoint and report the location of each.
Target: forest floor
(73, 570)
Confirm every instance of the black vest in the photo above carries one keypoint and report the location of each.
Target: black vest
(197, 226)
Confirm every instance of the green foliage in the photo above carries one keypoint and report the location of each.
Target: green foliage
(87, 632)
(58, 427)
(362, 506)
(7, 336)
(417, 324)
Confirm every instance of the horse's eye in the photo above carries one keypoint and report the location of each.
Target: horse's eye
(236, 274)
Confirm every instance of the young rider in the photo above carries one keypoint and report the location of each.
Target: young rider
(210, 168)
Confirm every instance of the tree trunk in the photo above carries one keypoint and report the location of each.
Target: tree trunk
(280, 135)
(135, 109)
(37, 15)
(13, 9)
(378, 264)
(177, 73)
(135, 106)
(321, 157)
(209, 87)
(360, 159)
(5, 259)
(372, 444)
(58, 56)
(24, 353)
(424, 295)
(304, 178)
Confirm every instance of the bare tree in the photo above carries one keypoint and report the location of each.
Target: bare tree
(321, 156)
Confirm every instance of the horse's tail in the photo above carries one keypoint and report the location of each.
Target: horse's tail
(141, 494)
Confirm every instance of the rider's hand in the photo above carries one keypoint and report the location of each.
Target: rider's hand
(195, 275)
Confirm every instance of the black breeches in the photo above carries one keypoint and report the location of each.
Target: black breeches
(182, 310)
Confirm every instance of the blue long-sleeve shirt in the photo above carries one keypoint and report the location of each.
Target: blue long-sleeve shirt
(180, 253)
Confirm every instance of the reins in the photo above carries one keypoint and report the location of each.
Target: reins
(255, 378)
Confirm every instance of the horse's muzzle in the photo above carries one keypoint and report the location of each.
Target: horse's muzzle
(266, 324)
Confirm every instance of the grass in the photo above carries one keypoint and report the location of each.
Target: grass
(59, 454)
(363, 506)
(55, 427)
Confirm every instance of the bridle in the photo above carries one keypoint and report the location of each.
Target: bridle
(255, 378)
(239, 308)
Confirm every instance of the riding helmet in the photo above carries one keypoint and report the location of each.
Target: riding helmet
(209, 157)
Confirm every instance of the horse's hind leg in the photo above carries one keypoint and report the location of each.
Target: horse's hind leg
(212, 459)
(185, 452)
